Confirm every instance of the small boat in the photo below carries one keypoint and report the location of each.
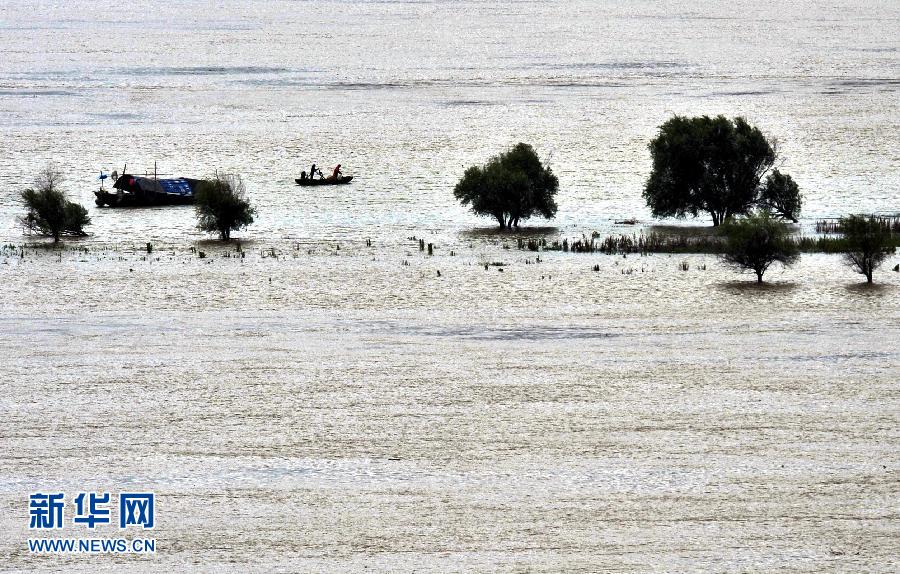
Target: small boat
(305, 181)
(137, 191)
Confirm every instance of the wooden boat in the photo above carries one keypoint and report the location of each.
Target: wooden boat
(137, 191)
(306, 182)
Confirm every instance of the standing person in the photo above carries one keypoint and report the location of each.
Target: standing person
(337, 172)
(313, 170)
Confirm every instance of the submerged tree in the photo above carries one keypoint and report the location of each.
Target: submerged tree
(510, 187)
(222, 205)
(868, 243)
(756, 242)
(49, 212)
(715, 165)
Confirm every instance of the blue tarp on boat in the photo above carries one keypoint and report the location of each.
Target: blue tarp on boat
(181, 186)
(176, 186)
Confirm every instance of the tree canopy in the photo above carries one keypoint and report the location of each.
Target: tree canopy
(49, 212)
(715, 165)
(868, 243)
(222, 205)
(510, 187)
(756, 242)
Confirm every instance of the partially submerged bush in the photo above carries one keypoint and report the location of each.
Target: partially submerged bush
(756, 242)
(867, 243)
(49, 212)
(222, 205)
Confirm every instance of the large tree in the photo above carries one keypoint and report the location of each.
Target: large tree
(715, 165)
(49, 211)
(756, 242)
(510, 187)
(868, 243)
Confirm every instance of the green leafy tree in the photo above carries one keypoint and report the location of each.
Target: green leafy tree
(712, 165)
(867, 243)
(781, 195)
(756, 242)
(49, 212)
(222, 205)
(510, 187)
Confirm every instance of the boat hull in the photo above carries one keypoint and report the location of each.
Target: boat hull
(143, 191)
(326, 181)
(107, 199)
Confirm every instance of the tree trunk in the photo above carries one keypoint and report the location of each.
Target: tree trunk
(715, 217)
(501, 219)
(759, 276)
(869, 275)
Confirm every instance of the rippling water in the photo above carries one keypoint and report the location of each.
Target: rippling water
(405, 94)
(319, 404)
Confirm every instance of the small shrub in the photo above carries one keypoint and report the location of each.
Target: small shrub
(781, 195)
(867, 243)
(49, 212)
(756, 242)
(222, 205)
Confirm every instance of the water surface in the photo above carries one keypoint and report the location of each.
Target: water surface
(322, 405)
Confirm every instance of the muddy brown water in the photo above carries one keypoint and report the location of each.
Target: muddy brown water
(341, 411)
(349, 410)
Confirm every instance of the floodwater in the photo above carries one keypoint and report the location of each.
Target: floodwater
(318, 404)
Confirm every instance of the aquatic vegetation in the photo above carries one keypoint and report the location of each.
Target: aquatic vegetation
(656, 242)
(891, 223)
(641, 243)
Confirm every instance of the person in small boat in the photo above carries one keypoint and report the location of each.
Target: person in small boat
(313, 170)
(336, 173)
